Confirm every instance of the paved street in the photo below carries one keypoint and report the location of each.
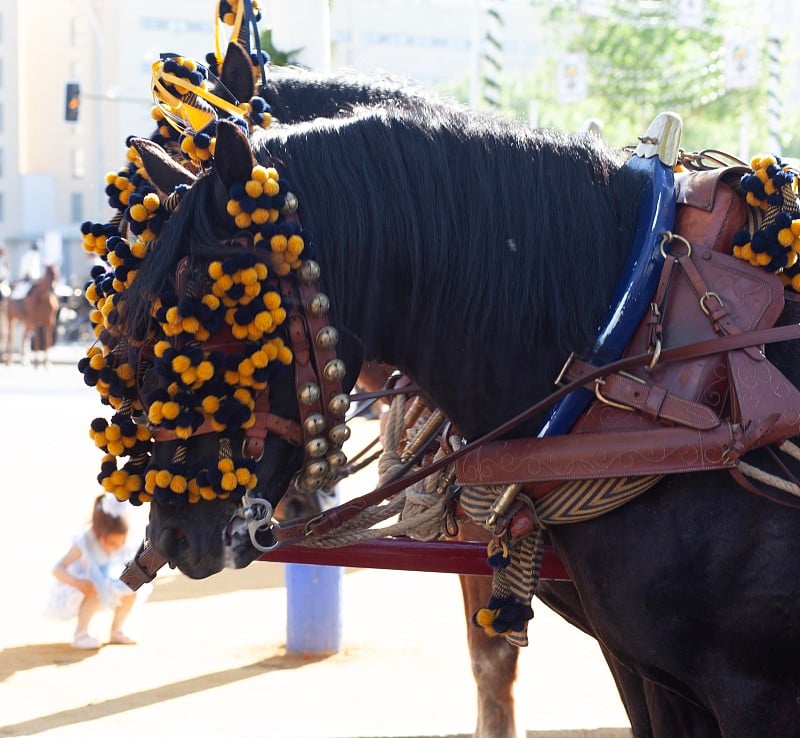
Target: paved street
(211, 660)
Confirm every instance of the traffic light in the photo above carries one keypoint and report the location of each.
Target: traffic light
(73, 103)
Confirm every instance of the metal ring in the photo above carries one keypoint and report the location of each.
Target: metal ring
(656, 356)
(669, 237)
(257, 513)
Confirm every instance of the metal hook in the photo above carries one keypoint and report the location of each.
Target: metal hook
(257, 513)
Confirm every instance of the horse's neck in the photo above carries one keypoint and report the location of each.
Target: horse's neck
(477, 389)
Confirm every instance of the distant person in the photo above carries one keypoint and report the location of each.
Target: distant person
(30, 268)
(88, 575)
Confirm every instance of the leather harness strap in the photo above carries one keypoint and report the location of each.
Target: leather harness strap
(335, 517)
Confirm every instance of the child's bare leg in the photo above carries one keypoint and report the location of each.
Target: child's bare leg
(120, 616)
(82, 639)
(89, 606)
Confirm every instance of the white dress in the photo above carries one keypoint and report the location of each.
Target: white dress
(101, 569)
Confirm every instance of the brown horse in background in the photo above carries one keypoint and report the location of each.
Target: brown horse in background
(37, 312)
(493, 660)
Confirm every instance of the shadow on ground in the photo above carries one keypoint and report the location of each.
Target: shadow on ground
(161, 693)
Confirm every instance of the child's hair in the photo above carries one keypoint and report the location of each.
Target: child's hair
(107, 519)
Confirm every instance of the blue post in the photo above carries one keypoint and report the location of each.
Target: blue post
(313, 608)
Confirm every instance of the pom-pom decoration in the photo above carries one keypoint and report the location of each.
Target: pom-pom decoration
(774, 242)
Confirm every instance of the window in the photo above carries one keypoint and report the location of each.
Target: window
(2, 161)
(78, 163)
(2, 207)
(76, 207)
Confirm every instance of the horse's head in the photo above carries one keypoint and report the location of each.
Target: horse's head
(243, 379)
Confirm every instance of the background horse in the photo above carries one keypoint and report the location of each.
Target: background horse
(481, 232)
(37, 312)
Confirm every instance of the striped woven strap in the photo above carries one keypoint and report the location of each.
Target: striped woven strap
(575, 501)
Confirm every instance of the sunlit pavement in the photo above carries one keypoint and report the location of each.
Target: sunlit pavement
(211, 659)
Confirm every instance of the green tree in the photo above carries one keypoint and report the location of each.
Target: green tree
(641, 60)
(277, 57)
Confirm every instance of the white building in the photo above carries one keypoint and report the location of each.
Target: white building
(51, 170)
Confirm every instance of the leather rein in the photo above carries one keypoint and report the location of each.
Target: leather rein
(333, 518)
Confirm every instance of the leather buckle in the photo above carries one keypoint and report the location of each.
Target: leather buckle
(560, 378)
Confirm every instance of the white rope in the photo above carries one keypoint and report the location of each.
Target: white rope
(771, 479)
(791, 449)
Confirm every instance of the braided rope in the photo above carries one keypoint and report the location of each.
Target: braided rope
(772, 480)
(420, 506)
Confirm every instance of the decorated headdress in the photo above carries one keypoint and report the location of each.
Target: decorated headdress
(193, 384)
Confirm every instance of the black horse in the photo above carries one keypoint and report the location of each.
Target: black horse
(475, 255)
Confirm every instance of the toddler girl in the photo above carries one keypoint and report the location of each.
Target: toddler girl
(88, 575)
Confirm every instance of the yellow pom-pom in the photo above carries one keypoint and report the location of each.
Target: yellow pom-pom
(225, 465)
(215, 270)
(181, 363)
(763, 259)
(155, 412)
(138, 212)
(785, 237)
(210, 301)
(278, 243)
(163, 478)
(260, 216)
(295, 245)
(259, 359)
(139, 249)
(263, 321)
(254, 188)
(171, 410)
(151, 202)
(178, 484)
(271, 187)
(210, 404)
(205, 370)
(485, 619)
(234, 207)
(191, 324)
(260, 173)
(242, 220)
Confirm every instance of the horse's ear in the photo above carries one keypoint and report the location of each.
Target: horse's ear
(233, 157)
(237, 72)
(162, 170)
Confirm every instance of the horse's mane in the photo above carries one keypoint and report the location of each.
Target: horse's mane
(488, 219)
(296, 95)
(480, 222)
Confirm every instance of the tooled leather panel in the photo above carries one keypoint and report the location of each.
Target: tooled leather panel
(595, 456)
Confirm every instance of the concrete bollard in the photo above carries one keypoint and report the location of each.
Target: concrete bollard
(313, 608)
